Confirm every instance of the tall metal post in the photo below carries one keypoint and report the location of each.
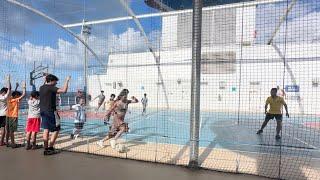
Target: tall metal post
(195, 83)
(86, 31)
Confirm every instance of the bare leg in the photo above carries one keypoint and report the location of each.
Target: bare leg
(34, 138)
(279, 127)
(122, 130)
(28, 138)
(46, 138)
(7, 133)
(12, 138)
(53, 139)
(3, 134)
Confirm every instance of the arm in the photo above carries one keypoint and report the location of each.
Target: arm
(75, 106)
(107, 117)
(23, 91)
(286, 108)
(134, 100)
(64, 89)
(266, 108)
(8, 86)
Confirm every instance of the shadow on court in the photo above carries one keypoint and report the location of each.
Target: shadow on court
(21, 163)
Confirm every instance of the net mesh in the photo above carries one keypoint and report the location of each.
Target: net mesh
(248, 47)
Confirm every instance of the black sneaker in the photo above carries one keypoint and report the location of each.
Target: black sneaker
(28, 147)
(259, 132)
(278, 137)
(13, 146)
(34, 147)
(71, 136)
(51, 151)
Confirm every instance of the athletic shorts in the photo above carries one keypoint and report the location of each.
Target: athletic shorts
(48, 121)
(12, 124)
(79, 125)
(114, 130)
(3, 121)
(33, 125)
(278, 117)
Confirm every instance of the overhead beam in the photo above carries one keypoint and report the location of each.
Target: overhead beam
(228, 6)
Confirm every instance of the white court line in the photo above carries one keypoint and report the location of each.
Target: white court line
(314, 147)
(142, 119)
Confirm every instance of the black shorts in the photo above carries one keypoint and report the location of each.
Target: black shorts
(48, 121)
(3, 121)
(78, 125)
(278, 117)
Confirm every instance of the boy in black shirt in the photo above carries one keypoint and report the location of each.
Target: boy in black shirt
(50, 118)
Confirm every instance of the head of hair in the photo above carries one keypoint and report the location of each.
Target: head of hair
(3, 90)
(51, 77)
(113, 95)
(16, 94)
(102, 91)
(145, 94)
(35, 94)
(274, 89)
(123, 93)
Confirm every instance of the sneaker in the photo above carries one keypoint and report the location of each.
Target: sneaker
(76, 136)
(113, 143)
(28, 147)
(259, 132)
(278, 137)
(51, 151)
(71, 136)
(100, 143)
(34, 147)
(13, 146)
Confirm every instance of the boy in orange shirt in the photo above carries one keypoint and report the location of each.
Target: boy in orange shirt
(13, 114)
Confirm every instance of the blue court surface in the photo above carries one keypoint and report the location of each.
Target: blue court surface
(217, 130)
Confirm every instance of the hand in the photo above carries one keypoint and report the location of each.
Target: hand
(23, 85)
(287, 114)
(265, 112)
(17, 85)
(8, 77)
(68, 78)
(132, 97)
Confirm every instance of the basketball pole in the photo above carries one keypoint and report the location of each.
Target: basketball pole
(195, 83)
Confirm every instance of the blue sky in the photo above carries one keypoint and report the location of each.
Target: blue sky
(25, 37)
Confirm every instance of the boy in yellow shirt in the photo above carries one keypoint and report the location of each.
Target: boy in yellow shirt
(275, 111)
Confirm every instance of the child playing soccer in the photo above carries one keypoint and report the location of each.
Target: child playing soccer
(13, 114)
(275, 111)
(80, 118)
(33, 122)
(119, 111)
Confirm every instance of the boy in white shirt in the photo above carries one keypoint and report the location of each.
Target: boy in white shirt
(80, 118)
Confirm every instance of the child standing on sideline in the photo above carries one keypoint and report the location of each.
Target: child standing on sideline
(13, 114)
(33, 122)
(4, 94)
(80, 118)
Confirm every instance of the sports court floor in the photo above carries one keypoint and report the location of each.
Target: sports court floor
(19, 164)
(162, 136)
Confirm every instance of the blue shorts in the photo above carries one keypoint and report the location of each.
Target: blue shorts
(48, 121)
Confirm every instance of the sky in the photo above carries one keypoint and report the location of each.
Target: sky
(26, 37)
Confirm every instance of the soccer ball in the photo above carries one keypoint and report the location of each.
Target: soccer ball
(121, 148)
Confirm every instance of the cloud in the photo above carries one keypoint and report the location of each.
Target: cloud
(67, 55)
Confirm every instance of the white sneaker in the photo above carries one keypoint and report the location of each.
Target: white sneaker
(100, 143)
(76, 136)
(113, 143)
